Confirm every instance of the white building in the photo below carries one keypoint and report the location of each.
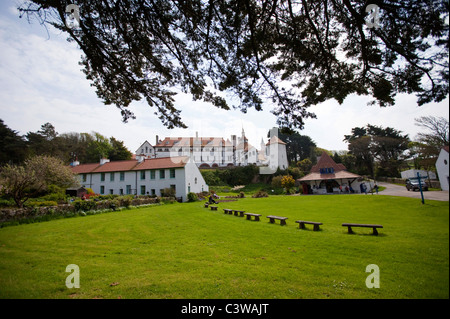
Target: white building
(276, 156)
(146, 149)
(442, 168)
(142, 176)
(210, 152)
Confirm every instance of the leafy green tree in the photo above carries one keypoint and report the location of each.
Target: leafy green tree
(305, 165)
(294, 54)
(98, 148)
(298, 147)
(36, 175)
(364, 159)
(119, 152)
(43, 142)
(384, 147)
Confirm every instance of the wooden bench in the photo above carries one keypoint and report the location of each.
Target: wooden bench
(239, 212)
(213, 207)
(282, 219)
(206, 205)
(350, 231)
(249, 216)
(301, 224)
(228, 211)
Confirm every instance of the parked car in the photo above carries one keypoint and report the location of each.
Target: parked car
(413, 184)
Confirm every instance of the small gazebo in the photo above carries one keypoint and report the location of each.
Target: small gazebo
(328, 177)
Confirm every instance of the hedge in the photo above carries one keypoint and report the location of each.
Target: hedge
(39, 213)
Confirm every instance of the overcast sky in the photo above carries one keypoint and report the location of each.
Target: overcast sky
(41, 81)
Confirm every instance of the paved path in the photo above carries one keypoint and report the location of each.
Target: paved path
(396, 190)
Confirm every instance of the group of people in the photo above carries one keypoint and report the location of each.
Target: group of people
(347, 189)
(362, 188)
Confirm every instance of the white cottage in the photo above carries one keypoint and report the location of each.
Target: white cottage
(442, 168)
(142, 176)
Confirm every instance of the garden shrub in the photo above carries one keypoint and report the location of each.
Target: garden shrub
(125, 201)
(84, 205)
(41, 203)
(192, 197)
(260, 194)
(276, 181)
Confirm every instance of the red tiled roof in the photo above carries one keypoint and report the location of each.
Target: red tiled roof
(121, 166)
(116, 166)
(162, 162)
(84, 168)
(326, 161)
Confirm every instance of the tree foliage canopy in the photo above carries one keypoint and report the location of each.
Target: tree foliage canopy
(243, 53)
(85, 147)
(21, 182)
(385, 145)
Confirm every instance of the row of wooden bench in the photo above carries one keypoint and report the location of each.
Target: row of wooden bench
(301, 223)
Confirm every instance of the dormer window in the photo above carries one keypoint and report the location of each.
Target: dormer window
(327, 170)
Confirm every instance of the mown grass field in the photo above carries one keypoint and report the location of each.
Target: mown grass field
(188, 251)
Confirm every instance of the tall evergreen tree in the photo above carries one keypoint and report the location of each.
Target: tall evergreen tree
(13, 148)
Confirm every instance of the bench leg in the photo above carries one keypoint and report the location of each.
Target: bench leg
(301, 225)
(272, 220)
(282, 222)
(257, 218)
(375, 232)
(350, 231)
(316, 227)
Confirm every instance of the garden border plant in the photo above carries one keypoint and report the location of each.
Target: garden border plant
(95, 205)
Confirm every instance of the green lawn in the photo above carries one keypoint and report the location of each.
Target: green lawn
(187, 251)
